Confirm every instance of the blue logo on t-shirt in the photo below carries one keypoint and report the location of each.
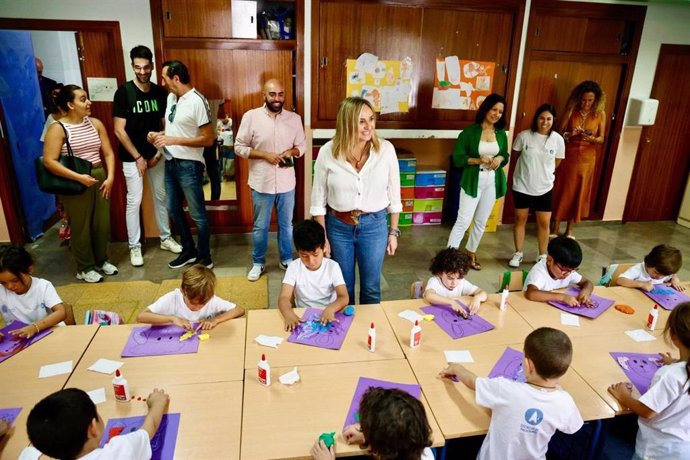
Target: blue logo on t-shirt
(534, 416)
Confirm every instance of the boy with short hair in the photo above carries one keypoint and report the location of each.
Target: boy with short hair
(193, 302)
(557, 271)
(314, 281)
(526, 415)
(66, 425)
(660, 266)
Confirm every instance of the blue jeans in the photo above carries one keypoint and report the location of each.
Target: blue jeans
(183, 180)
(365, 244)
(262, 204)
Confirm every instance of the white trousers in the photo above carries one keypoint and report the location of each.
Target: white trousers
(135, 192)
(478, 208)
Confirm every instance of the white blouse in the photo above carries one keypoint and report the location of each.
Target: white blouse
(338, 184)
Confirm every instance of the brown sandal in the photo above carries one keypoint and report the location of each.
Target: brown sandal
(474, 263)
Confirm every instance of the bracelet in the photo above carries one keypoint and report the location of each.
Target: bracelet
(137, 158)
(394, 232)
(36, 326)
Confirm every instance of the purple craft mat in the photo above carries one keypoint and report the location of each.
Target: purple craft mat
(312, 333)
(455, 325)
(9, 346)
(9, 415)
(162, 443)
(365, 383)
(159, 340)
(641, 367)
(509, 365)
(601, 303)
(666, 296)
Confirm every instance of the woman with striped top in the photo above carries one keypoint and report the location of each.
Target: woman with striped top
(89, 213)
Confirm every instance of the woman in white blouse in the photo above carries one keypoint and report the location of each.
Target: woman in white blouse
(356, 183)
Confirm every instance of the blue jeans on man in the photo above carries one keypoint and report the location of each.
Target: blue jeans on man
(262, 204)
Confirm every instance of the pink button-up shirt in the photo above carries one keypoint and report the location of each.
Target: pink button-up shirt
(260, 130)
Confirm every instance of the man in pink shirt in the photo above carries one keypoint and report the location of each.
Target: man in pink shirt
(269, 137)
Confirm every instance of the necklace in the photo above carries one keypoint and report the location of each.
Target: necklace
(358, 162)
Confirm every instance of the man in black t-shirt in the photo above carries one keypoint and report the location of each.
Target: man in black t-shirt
(138, 108)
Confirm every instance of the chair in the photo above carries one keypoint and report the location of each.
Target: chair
(610, 273)
(513, 280)
(417, 289)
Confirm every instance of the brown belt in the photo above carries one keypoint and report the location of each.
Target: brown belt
(96, 165)
(347, 217)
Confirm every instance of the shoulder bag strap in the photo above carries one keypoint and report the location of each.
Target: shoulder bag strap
(69, 147)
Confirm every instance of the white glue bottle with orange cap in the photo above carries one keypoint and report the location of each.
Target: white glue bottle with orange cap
(371, 341)
(121, 387)
(653, 317)
(264, 371)
(415, 335)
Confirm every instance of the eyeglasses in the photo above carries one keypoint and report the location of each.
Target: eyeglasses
(565, 270)
(171, 117)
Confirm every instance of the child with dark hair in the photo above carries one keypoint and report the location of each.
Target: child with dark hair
(66, 425)
(525, 415)
(664, 409)
(393, 426)
(449, 267)
(313, 281)
(24, 298)
(659, 267)
(557, 271)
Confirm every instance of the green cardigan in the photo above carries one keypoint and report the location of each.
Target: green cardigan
(466, 147)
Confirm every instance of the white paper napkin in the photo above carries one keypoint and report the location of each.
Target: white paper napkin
(290, 377)
(458, 356)
(569, 320)
(640, 335)
(49, 370)
(268, 341)
(411, 316)
(97, 395)
(105, 366)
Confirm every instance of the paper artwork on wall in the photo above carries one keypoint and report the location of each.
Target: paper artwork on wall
(461, 84)
(386, 84)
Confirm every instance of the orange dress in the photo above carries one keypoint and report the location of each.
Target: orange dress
(575, 175)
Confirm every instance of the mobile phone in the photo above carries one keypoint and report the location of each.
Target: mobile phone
(286, 163)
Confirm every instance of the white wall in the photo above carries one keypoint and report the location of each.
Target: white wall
(58, 51)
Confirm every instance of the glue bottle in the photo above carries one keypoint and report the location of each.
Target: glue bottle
(264, 371)
(371, 342)
(653, 317)
(121, 387)
(504, 299)
(415, 335)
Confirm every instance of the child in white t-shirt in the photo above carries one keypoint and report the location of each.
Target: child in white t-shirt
(659, 267)
(195, 301)
(66, 424)
(664, 409)
(525, 416)
(558, 271)
(313, 280)
(24, 298)
(449, 267)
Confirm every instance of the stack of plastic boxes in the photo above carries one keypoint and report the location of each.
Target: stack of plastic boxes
(408, 169)
(429, 191)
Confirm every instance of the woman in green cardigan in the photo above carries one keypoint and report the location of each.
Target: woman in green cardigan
(481, 151)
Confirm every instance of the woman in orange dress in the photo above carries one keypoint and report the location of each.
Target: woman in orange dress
(583, 129)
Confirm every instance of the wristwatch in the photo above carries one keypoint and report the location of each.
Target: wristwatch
(394, 232)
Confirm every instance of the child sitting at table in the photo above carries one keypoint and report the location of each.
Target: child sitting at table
(557, 271)
(314, 281)
(525, 415)
(66, 425)
(393, 425)
(659, 267)
(449, 267)
(25, 298)
(664, 409)
(193, 302)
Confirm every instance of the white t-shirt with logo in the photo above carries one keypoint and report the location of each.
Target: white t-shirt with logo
(638, 273)
(464, 287)
(173, 304)
(34, 305)
(191, 112)
(540, 278)
(523, 418)
(314, 288)
(536, 165)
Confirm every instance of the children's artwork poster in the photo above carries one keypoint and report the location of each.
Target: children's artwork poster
(454, 324)
(666, 296)
(9, 415)
(311, 332)
(597, 305)
(461, 84)
(365, 383)
(639, 367)
(386, 84)
(509, 365)
(11, 345)
(159, 340)
(162, 443)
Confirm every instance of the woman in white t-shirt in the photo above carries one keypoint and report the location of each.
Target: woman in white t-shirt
(540, 149)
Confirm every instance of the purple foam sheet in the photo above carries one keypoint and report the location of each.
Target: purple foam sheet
(11, 346)
(509, 365)
(162, 443)
(365, 383)
(455, 325)
(9, 415)
(598, 305)
(666, 296)
(311, 332)
(638, 367)
(159, 340)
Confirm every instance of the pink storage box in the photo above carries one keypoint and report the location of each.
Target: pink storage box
(426, 218)
(429, 192)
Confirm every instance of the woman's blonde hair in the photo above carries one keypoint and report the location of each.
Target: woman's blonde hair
(347, 128)
(587, 86)
(198, 283)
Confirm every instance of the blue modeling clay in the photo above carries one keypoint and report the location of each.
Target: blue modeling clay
(349, 310)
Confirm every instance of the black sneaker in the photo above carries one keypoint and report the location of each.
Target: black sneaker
(205, 261)
(182, 260)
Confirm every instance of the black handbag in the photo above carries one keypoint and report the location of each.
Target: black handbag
(52, 183)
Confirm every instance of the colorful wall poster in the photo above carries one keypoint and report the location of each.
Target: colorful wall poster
(386, 84)
(461, 84)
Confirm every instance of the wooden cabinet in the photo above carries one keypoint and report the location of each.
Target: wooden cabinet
(582, 34)
(201, 19)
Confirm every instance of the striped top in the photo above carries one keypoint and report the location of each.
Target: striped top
(84, 140)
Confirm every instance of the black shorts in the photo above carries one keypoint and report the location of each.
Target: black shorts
(539, 203)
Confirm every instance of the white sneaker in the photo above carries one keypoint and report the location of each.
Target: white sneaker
(515, 261)
(169, 244)
(135, 257)
(91, 276)
(541, 257)
(107, 268)
(284, 264)
(256, 272)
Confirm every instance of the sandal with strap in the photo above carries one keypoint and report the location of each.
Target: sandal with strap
(474, 263)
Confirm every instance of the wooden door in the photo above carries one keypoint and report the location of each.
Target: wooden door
(663, 155)
(207, 18)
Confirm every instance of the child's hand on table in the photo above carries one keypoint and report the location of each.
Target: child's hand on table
(292, 321)
(328, 315)
(319, 451)
(570, 301)
(4, 427)
(183, 323)
(451, 371)
(25, 332)
(353, 434)
(474, 305)
(620, 390)
(675, 284)
(207, 325)
(666, 359)
(585, 299)
(647, 286)
(157, 398)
